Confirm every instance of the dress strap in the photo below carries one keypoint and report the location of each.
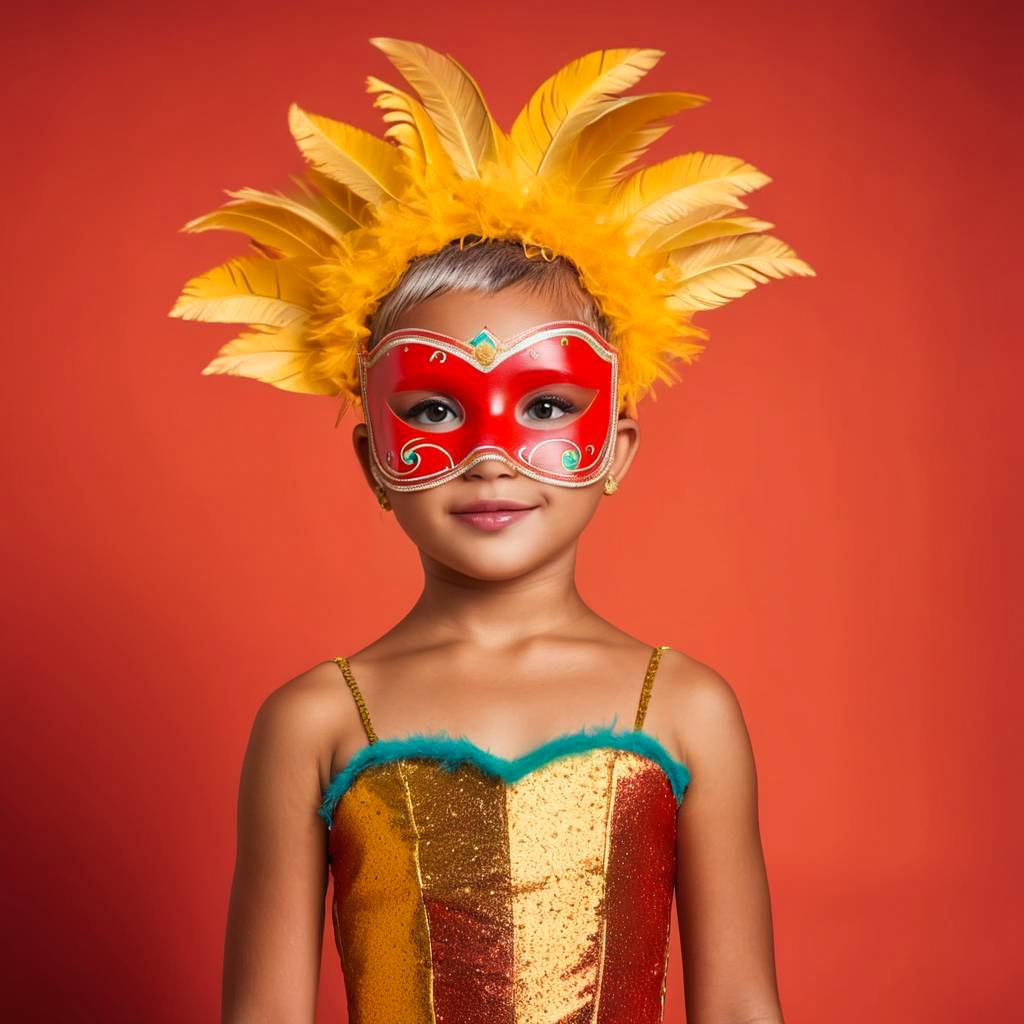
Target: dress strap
(645, 694)
(346, 671)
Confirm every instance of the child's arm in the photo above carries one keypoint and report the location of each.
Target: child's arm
(276, 915)
(723, 903)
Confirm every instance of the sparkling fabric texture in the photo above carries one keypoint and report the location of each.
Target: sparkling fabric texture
(461, 897)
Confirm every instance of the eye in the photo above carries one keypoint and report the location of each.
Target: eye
(431, 412)
(550, 407)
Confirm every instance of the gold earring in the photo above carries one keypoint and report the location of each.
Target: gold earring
(382, 498)
(611, 485)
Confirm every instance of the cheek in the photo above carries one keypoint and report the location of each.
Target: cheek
(420, 513)
(574, 506)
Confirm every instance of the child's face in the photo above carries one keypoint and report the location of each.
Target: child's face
(495, 545)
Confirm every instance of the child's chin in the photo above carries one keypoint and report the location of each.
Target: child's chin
(504, 561)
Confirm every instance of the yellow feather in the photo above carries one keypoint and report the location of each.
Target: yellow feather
(288, 225)
(716, 272)
(367, 165)
(674, 189)
(280, 357)
(253, 291)
(678, 235)
(402, 125)
(344, 203)
(572, 98)
(411, 126)
(620, 136)
(453, 101)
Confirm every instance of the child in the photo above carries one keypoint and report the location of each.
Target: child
(497, 304)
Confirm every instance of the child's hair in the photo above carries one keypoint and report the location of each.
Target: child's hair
(491, 265)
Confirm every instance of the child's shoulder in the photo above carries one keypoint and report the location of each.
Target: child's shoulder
(694, 703)
(305, 695)
(305, 713)
(688, 680)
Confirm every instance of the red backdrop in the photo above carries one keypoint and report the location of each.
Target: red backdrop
(834, 535)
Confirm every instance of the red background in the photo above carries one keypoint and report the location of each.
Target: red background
(822, 509)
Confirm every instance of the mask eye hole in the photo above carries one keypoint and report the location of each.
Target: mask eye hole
(428, 411)
(555, 406)
(550, 407)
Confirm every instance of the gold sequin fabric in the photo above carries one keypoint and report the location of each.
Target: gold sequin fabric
(464, 897)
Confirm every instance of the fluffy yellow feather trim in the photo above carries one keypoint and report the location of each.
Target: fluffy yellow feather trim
(652, 245)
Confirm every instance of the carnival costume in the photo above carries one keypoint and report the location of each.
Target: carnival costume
(468, 887)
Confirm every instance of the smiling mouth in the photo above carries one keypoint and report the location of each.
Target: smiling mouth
(493, 515)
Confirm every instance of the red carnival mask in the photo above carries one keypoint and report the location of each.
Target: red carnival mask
(484, 382)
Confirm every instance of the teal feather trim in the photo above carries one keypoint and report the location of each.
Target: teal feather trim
(452, 751)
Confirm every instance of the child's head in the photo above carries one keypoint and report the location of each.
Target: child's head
(507, 381)
(460, 292)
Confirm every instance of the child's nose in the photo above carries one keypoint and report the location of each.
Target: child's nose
(490, 468)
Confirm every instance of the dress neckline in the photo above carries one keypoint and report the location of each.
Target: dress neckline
(454, 751)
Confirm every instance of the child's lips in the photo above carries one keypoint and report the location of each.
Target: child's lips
(493, 519)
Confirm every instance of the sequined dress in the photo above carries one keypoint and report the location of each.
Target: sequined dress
(470, 889)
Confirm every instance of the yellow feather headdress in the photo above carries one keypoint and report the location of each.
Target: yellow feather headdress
(652, 245)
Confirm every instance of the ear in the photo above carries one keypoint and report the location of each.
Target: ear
(361, 446)
(627, 440)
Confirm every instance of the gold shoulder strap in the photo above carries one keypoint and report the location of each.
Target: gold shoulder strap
(346, 671)
(645, 695)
